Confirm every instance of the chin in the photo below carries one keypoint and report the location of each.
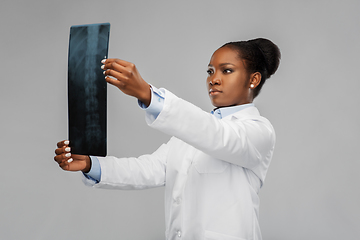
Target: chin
(218, 105)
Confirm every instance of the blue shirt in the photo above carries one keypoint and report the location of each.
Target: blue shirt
(154, 109)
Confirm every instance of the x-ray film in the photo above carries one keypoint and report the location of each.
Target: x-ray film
(87, 89)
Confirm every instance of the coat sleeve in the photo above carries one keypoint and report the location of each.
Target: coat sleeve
(246, 141)
(146, 171)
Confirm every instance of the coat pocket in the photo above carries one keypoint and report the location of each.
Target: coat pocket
(209, 235)
(206, 164)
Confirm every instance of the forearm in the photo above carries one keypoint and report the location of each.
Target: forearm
(146, 171)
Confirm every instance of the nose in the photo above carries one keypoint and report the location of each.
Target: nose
(215, 81)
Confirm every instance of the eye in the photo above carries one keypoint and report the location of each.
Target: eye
(228, 70)
(210, 71)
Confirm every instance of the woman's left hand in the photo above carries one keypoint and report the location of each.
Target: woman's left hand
(127, 78)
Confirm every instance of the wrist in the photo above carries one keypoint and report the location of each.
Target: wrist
(87, 165)
(146, 95)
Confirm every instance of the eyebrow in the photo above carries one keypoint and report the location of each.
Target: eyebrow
(222, 64)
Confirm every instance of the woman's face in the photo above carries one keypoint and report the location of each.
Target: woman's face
(228, 81)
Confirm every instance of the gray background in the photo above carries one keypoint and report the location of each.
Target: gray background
(313, 101)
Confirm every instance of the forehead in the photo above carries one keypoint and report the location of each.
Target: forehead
(225, 55)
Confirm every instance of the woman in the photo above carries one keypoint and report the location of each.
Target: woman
(215, 163)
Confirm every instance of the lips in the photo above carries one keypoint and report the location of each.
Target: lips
(214, 91)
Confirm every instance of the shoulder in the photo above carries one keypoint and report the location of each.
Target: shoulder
(252, 115)
(248, 113)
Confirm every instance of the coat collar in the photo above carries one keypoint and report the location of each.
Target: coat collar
(226, 111)
(249, 111)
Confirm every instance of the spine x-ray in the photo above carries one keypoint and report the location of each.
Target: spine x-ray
(88, 45)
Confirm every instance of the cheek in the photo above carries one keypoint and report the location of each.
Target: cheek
(240, 81)
(240, 86)
(244, 83)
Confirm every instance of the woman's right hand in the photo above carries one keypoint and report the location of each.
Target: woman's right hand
(71, 162)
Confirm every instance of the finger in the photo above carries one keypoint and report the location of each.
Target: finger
(62, 157)
(118, 61)
(114, 67)
(66, 160)
(121, 76)
(124, 63)
(108, 60)
(67, 166)
(109, 63)
(64, 165)
(71, 165)
(63, 149)
(125, 69)
(115, 82)
(59, 158)
(62, 143)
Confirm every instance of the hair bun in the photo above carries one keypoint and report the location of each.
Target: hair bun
(271, 54)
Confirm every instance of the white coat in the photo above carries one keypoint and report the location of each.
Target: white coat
(212, 170)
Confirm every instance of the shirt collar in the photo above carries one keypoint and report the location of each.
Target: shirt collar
(226, 111)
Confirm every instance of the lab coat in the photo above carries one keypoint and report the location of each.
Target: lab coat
(212, 170)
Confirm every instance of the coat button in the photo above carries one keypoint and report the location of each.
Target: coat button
(179, 233)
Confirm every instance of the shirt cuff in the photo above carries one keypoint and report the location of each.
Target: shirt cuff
(156, 103)
(95, 170)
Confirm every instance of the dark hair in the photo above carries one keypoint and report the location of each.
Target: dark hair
(260, 55)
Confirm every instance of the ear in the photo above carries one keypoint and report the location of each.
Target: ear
(255, 79)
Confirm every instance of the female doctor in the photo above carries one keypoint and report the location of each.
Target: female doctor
(215, 163)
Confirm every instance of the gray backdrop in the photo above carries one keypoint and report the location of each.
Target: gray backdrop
(313, 101)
